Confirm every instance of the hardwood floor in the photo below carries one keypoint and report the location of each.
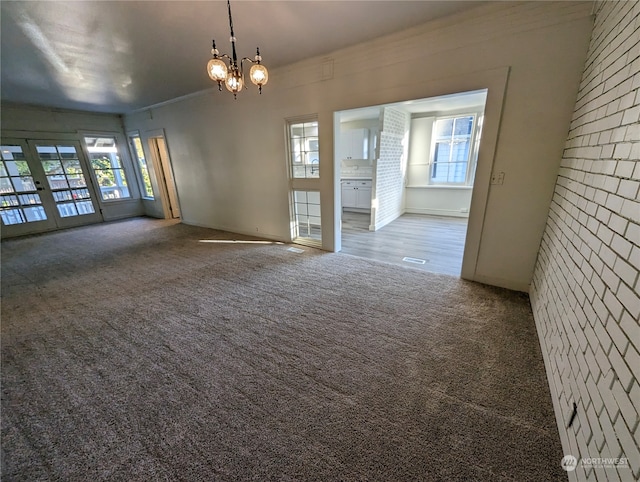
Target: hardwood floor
(439, 241)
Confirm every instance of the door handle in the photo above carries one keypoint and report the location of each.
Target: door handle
(40, 188)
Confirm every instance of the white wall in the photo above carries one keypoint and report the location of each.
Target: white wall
(420, 197)
(18, 118)
(438, 201)
(420, 151)
(229, 156)
(29, 122)
(389, 168)
(586, 289)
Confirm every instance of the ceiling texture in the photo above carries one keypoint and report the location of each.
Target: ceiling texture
(120, 56)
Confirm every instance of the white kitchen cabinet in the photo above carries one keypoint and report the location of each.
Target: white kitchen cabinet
(355, 144)
(348, 196)
(363, 197)
(356, 194)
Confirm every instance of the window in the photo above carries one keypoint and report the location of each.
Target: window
(303, 142)
(306, 205)
(106, 164)
(145, 180)
(452, 150)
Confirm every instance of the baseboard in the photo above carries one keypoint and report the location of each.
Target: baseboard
(437, 212)
(120, 216)
(389, 219)
(502, 283)
(555, 399)
(261, 235)
(357, 210)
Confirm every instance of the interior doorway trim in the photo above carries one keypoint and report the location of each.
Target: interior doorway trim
(164, 173)
(495, 82)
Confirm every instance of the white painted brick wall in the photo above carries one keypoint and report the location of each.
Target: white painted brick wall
(389, 180)
(586, 286)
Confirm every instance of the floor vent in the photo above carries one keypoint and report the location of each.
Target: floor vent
(295, 250)
(414, 260)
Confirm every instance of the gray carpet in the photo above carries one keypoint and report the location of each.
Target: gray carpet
(132, 351)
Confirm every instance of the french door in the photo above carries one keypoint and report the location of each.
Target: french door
(44, 185)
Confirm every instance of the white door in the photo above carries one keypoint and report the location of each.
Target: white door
(304, 180)
(162, 164)
(44, 186)
(24, 207)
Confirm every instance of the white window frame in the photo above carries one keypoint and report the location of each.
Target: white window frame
(311, 167)
(127, 166)
(473, 152)
(310, 212)
(136, 165)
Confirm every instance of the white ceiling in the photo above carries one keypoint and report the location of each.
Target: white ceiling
(118, 56)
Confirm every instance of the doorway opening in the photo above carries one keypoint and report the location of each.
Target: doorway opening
(407, 173)
(166, 181)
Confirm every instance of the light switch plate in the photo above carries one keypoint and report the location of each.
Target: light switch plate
(497, 178)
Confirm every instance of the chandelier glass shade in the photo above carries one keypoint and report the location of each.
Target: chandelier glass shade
(232, 75)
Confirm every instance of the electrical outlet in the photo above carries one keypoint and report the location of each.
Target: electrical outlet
(497, 178)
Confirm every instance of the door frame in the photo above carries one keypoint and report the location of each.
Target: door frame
(302, 183)
(165, 177)
(495, 80)
(90, 181)
(54, 220)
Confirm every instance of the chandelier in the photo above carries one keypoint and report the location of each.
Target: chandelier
(233, 75)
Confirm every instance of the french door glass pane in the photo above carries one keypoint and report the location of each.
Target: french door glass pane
(306, 206)
(76, 181)
(35, 214)
(64, 174)
(47, 152)
(52, 167)
(57, 182)
(19, 201)
(67, 209)
(67, 152)
(72, 167)
(5, 185)
(85, 207)
(81, 194)
(305, 158)
(9, 200)
(12, 216)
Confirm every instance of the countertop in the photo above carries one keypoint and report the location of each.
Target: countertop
(356, 172)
